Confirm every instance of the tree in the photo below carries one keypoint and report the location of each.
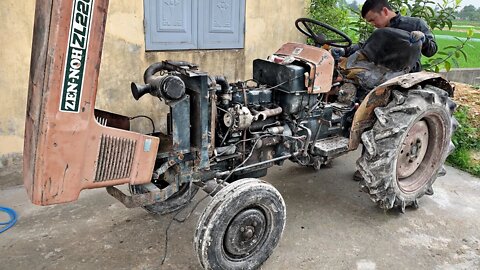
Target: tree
(469, 13)
(354, 6)
(330, 12)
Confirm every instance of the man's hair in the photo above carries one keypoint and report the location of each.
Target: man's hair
(375, 6)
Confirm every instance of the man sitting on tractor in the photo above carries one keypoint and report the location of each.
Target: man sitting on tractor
(380, 14)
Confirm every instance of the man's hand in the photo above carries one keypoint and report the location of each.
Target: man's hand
(417, 36)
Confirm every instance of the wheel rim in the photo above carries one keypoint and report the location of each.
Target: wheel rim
(426, 141)
(413, 150)
(245, 233)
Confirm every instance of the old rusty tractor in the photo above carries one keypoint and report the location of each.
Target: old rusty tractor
(302, 105)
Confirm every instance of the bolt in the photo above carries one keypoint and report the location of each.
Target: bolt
(242, 229)
(255, 224)
(249, 233)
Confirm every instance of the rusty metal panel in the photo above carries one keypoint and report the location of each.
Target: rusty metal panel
(320, 61)
(62, 137)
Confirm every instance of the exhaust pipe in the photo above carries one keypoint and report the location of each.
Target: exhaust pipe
(261, 116)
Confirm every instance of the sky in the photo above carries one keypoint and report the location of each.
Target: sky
(476, 3)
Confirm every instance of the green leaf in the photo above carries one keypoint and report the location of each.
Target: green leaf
(437, 69)
(464, 54)
(436, 61)
(449, 23)
(457, 54)
(448, 66)
(455, 63)
(458, 2)
(451, 47)
(470, 33)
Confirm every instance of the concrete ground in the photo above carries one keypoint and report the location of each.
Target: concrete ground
(330, 225)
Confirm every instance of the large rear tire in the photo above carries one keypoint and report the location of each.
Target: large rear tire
(241, 226)
(405, 150)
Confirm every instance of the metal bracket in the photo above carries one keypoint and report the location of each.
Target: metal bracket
(153, 196)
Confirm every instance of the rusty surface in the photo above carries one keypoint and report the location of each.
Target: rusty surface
(378, 97)
(61, 148)
(413, 150)
(142, 199)
(321, 64)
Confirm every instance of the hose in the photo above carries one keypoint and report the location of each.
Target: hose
(164, 65)
(13, 219)
(151, 70)
(222, 81)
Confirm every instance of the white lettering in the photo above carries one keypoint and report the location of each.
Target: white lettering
(74, 74)
(77, 54)
(70, 98)
(75, 63)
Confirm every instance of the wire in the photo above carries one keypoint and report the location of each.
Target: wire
(252, 80)
(144, 116)
(13, 219)
(244, 161)
(183, 220)
(232, 145)
(178, 221)
(280, 84)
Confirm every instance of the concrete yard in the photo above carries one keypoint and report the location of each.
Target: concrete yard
(330, 225)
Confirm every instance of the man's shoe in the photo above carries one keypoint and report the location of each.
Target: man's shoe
(357, 176)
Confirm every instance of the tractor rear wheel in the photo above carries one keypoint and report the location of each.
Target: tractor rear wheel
(405, 150)
(241, 226)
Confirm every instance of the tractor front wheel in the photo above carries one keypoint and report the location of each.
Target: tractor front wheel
(241, 226)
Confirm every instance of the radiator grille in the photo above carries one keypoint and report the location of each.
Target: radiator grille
(101, 120)
(115, 158)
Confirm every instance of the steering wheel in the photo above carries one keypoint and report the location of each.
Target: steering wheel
(306, 26)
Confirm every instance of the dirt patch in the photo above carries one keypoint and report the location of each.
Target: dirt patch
(466, 95)
(476, 158)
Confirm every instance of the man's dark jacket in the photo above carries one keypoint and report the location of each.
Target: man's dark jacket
(409, 24)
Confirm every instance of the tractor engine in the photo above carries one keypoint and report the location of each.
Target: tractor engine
(295, 107)
(273, 117)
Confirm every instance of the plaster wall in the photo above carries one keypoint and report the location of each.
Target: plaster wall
(269, 24)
